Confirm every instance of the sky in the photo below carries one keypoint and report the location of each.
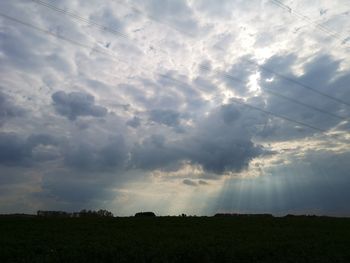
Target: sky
(175, 106)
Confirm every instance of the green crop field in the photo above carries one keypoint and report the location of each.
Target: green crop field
(175, 239)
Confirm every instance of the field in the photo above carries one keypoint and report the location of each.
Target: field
(175, 239)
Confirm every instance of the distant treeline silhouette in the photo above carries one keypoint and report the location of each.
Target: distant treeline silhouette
(241, 215)
(82, 213)
(145, 214)
(106, 213)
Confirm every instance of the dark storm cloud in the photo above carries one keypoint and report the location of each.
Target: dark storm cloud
(223, 154)
(8, 109)
(229, 113)
(75, 104)
(323, 74)
(219, 144)
(14, 150)
(280, 63)
(154, 153)
(87, 156)
(41, 139)
(74, 189)
(87, 173)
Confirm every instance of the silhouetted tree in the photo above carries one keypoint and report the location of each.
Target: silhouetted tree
(92, 213)
(42, 213)
(104, 213)
(145, 214)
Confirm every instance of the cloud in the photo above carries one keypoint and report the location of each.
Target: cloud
(141, 105)
(189, 182)
(135, 122)
(167, 117)
(154, 153)
(324, 75)
(13, 149)
(76, 190)
(237, 77)
(107, 16)
(222, 10)
(176, 13)
(201, 182)
(8, 109)
(75, 104)
(194, 183)
(219, 144)
(16, 151)
(86, 156)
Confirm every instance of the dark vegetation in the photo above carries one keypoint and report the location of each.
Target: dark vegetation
(222, 238)
(145, 214)
(82, 213)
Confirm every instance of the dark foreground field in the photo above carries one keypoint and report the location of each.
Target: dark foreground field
(175, 239)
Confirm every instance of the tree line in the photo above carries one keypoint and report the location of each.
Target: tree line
(106, 213)
(82, 213)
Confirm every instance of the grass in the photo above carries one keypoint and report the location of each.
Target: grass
(175, 239)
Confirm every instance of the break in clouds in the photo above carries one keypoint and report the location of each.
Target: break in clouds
(174, 106)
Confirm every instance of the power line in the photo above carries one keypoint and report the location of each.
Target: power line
(107, 29)
(305, 105)
(229, 76)
(48, 32)
(266, 111)
(109, 55)
(294, 81)
(44, 31)
(258, 65)
(102, 27)
(183, 84)
(299, 15)
(299, 83)
(140, 12)
(74, 15)
(280, 116)
(276, 2)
